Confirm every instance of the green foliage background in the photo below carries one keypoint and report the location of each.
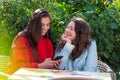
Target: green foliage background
(102, 15)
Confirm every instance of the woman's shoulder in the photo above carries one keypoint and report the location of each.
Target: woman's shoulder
(20, 37)
(20, 41)
(93, 41)
(21, 34)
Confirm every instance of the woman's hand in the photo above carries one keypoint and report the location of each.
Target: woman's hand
(57, 64)
(66, 38)
(49, 64)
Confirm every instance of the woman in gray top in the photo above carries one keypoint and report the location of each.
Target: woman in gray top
(78, 50)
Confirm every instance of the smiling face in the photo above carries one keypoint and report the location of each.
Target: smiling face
(70, 31)
(45, 21)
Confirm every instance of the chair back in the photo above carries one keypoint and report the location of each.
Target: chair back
(103, 67)
(4, 61)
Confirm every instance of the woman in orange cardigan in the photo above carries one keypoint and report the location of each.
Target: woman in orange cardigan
(32, 47)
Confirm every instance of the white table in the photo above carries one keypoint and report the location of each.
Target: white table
(49, 74)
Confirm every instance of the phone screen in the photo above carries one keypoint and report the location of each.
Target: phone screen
(58, 57)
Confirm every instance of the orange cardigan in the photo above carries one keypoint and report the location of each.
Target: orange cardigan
(22, 55)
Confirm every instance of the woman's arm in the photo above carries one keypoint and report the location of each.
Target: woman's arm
(91, 61)
(65, 52)
(21, 56)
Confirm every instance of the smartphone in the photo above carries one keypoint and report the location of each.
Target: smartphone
(58, 57)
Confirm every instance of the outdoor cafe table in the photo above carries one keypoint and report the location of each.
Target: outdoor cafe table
(51, 74)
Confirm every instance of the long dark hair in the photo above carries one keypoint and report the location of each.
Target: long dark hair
(82, 39)
(33, 30)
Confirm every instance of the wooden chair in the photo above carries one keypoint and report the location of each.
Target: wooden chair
(103, 67)
(4, 61)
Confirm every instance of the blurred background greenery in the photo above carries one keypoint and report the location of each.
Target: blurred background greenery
(102, 15)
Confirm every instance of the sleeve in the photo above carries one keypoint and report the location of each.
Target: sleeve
(65, 52)
(20, 56)
(91, 61)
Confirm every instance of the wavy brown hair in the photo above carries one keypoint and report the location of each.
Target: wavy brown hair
(33, 30)
(82, 39)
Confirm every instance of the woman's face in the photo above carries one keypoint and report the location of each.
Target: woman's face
(70, 31)
(45, 25)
